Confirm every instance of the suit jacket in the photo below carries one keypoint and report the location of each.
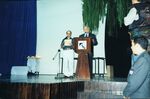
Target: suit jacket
(94, 40)
(138, 85)
(93, 36)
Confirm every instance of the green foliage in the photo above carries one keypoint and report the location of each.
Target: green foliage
(96, 10)
(122, 9)
(93, 11)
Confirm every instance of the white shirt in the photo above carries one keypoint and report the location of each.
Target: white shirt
(131, 16)
(86, 35)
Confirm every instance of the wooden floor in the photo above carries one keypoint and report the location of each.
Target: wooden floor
(47, 87)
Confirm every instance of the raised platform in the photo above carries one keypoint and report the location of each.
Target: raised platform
(47, 87)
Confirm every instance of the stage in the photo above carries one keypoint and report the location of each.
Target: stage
(47, 87)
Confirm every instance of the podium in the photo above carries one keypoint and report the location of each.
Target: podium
(83, 47)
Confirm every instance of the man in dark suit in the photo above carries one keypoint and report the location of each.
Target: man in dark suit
(87, 33)
(138, 85)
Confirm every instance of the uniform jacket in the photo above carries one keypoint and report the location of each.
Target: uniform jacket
(138, 85)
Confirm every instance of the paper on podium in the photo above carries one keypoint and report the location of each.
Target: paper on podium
(67, 42)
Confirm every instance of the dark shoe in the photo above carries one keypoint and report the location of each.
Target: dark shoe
(30, 74)
(36, 73)
(69, 77)
(66, 77)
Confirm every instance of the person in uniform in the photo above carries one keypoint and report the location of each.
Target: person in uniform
(138, 81)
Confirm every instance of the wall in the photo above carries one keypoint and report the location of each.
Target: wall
(54, 18)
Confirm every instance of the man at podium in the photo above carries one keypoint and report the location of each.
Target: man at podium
(87, 34)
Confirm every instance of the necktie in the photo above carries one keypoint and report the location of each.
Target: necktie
(86, 35)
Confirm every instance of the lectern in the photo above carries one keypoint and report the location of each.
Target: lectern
(83, 47)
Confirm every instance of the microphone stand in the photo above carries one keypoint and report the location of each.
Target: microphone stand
(60, 74)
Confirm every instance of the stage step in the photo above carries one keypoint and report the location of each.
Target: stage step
(102, 89)
(98, 95)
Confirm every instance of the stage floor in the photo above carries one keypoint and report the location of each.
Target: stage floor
(47, 87)
(51, 79)
(45, 79)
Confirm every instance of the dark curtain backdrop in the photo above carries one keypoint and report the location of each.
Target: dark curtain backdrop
(118, 51)
(17, 33)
